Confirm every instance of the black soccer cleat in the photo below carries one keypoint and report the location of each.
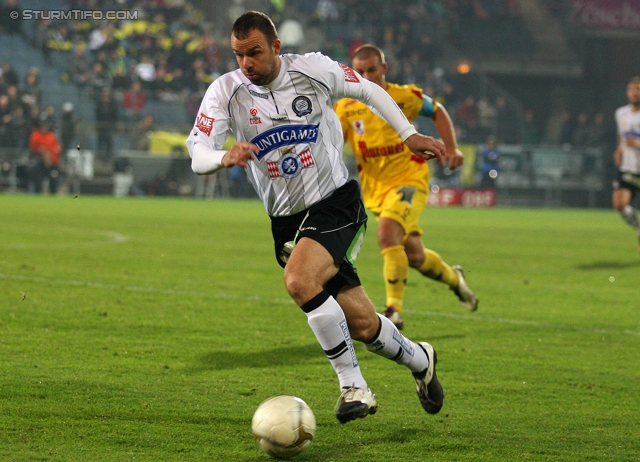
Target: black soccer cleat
(428, 387)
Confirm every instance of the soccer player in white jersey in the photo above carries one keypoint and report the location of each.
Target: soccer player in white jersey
(627, 156)
(289, 140)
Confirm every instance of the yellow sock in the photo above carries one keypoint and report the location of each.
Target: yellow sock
(395, 270)
(435, 268)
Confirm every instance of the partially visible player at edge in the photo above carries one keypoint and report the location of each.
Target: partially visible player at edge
(289, 140)
(627, 156)
(395, 182)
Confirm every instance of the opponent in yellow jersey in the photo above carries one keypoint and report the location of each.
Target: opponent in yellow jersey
(384, 161)
(395, 182)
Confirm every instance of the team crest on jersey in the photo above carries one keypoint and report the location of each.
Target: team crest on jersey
(302, 106)
(204, 123)
(358, 126)
(290, 165)
(349, 74)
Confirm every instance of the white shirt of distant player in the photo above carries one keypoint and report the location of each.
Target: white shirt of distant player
(293, 123)
(629, 127)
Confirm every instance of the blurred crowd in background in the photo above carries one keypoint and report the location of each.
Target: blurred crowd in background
(172, 51)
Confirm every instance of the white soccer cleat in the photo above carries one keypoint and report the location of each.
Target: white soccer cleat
(355, 403)
(465, 295)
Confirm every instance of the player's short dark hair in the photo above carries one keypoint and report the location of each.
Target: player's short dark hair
(634, 80)
(254, 20)
(367, 51)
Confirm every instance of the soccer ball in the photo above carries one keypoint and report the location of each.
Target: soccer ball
(283, 426)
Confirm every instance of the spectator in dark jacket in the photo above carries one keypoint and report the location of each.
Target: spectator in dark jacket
(106, 121)
(11, 18)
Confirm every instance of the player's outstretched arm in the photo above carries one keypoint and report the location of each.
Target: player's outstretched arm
(205, 161)
(426, 147)
(445, 128)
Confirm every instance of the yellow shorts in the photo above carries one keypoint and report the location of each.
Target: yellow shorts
(404, 205)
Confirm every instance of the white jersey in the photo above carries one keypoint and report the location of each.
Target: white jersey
(292, 122)
(628, 123)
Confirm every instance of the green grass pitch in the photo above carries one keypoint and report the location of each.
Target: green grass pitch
(151, 329)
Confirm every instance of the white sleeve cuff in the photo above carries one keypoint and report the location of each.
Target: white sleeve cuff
(205, 160)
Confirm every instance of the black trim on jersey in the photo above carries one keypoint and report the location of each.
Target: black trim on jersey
(234, 94)
(309, 77)
(274, 102)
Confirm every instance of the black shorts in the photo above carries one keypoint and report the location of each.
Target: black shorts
(629, 181)
(338, 223)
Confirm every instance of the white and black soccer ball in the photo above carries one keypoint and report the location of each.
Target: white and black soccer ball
(283, 426)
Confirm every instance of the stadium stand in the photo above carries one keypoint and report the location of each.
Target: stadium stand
(512, 65)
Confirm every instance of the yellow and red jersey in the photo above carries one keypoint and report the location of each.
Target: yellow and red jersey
(384, 161)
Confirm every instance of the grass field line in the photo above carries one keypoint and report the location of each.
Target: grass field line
(100, 285)
(111, 238)
(257, 298)
(525, 323)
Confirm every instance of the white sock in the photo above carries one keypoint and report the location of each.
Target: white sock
(391, 344)
(329, 325)
(629, 215)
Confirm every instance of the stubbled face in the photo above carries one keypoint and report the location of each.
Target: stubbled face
(371, 69)
(258, 59)
(633, 93)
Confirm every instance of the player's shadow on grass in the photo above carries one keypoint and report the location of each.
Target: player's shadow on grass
(281, 356)
(599, 265)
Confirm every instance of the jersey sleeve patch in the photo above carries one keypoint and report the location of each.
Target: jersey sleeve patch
(204, 123)
(349, 74)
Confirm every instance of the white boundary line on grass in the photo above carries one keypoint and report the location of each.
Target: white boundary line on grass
(111, 238)
(524, 323)
(99, 285)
